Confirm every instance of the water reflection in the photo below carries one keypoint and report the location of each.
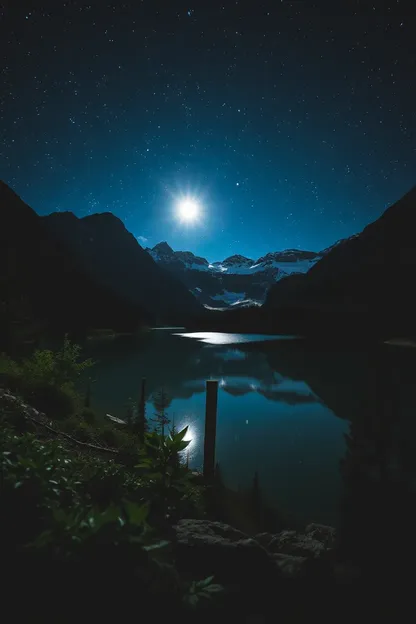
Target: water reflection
(221, 338)
(192, 436)
(286, 390)
(328, 432)
(231, 354)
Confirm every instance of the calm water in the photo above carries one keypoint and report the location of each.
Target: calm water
(284, 410)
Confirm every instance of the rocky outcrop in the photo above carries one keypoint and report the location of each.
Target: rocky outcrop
(291, 543)
(235, 282)
(213, 548)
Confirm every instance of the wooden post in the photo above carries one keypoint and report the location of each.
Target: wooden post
(87, 399)
(210, 428)
(141, 411)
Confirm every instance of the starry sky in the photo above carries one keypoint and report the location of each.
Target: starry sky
(293, 123)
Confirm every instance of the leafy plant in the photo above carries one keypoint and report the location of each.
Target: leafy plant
(90, 526)
(88, 415)
(168, 479)
(161, 402)
(202, 591)
(47, 378)
(163, 452)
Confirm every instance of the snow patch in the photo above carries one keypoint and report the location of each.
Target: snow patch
(229, 297)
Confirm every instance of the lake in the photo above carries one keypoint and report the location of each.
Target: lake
(319, 425)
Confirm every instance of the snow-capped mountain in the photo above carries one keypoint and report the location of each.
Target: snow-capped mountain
(236, 281)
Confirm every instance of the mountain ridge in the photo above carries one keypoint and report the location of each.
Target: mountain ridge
(365, 283)
(112, 256)
(236, 280)
(43, 288)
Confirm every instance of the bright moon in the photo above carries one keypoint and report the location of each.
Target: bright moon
(188, 210)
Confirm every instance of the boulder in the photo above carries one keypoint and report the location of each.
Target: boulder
(264, 539)
(205, 548)
(291, 566)
(297, 544)
(322, 533)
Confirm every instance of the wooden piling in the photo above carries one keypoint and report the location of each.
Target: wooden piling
(87, 398)
(141, 411)
(210, 428)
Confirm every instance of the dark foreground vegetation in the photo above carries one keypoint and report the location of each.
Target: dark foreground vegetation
(88, 510)
(104, 519)
(91, 509)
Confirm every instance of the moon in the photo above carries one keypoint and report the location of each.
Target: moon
(188, 210)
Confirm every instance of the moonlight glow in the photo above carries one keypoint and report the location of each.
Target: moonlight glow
(188, 210)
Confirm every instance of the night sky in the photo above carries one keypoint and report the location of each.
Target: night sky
(293, 123)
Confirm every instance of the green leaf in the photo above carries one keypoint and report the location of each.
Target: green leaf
(192, 600)
(214, 588)
(136, 514)
(205, 594)
(144, 464)
(180, 435)
(157, 546)
(205, 582)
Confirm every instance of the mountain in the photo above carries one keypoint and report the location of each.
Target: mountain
(42, 286)
(366, 281)
(237, 281)
(112, 257)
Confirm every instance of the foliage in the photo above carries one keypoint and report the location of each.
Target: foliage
(141, 425)
(47, 378)
(96, 525)
(163, 452)
(170, 484)
(57, 368)
(136, 416)
(202, 591)
(88, 415)
(56, 402)
(91, 526)
(161, 402)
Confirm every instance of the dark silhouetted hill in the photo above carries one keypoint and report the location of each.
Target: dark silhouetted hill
(111, 256)
(42, 285)
(366, 282)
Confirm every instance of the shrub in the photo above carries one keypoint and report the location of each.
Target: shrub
(85, 524)
(109, 436)
(77, 428)
(57, 368)
(46, 379)
(88, 415)
(55, 401)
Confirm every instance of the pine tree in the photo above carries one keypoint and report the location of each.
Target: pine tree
(141, 422)
(161, 402)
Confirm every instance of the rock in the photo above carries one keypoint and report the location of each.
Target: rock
(291, 566)
(322, 533)
(297, 544)
(116, 420)
(9, 401)
(264, 539)
(205, 548)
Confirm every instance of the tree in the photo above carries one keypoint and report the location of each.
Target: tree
(161, 402)
(141, 421)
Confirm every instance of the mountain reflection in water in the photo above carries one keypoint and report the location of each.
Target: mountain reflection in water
(330, 432)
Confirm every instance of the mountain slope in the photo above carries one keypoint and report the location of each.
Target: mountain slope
(372, 274)
(113, 258)
(236, 281)
(42, 287)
